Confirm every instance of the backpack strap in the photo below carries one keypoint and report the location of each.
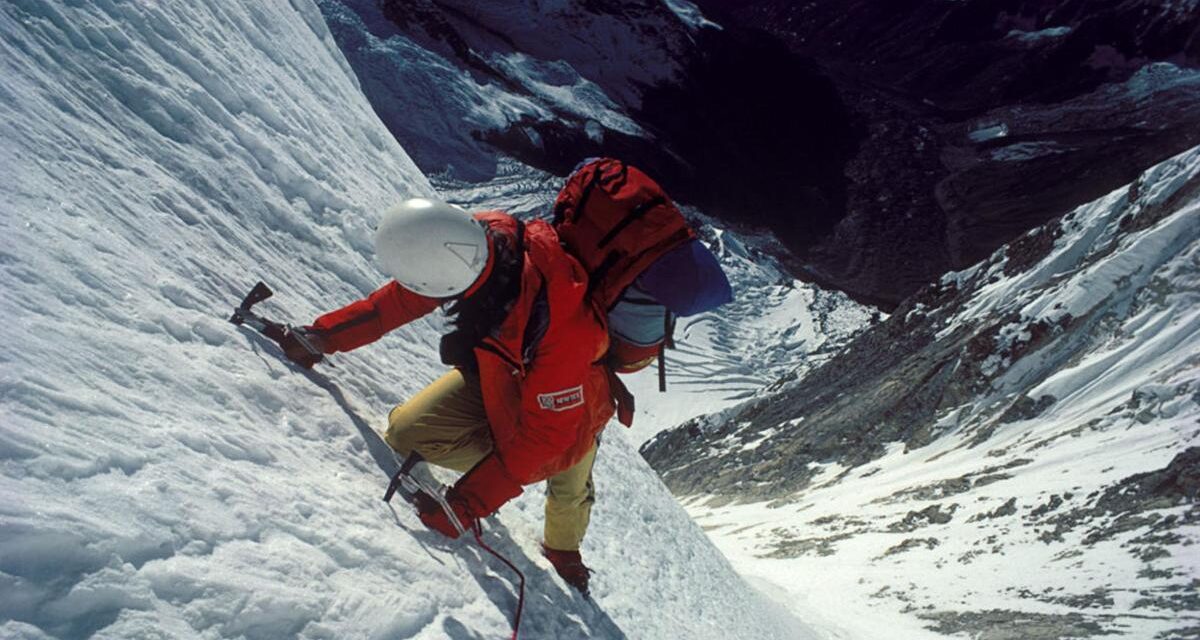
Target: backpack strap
(539, 316)
(520, 238)
(630, 218)
(587, 191)
(601, 270)
(621, 397)
(535, 326)
(667, 343)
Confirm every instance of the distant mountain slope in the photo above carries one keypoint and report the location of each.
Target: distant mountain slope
(981, 119)
(1015, 450)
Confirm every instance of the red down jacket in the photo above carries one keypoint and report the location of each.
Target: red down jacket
(544, 415)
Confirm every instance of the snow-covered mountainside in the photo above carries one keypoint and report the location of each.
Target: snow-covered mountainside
(163, 474)
(1014, 453)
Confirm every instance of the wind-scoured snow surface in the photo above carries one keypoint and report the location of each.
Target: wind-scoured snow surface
(164, 474)
(1053, 492)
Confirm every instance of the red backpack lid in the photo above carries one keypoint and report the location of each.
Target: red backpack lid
(617, 221)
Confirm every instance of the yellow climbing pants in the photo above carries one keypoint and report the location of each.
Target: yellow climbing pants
(446, 423)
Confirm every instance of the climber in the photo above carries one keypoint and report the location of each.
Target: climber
(528, 393)
(536, 343)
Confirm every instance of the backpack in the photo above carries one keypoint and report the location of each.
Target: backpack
(617, 221)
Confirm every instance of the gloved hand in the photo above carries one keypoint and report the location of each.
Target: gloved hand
(476, 495)
(486, 487)
(295, 350)
(435, 517)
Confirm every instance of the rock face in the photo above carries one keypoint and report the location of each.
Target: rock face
(884, 143)
(728, 120)
(982, 119)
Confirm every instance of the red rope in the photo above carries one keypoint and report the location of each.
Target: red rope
(478, 530)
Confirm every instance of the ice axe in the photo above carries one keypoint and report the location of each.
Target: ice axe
(403, 479)
(276, 331)
(413, 488)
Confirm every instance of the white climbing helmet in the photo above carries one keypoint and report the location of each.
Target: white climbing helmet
(431, 247)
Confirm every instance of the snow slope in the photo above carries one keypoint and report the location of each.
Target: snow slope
(163, 473)
(1015, 453)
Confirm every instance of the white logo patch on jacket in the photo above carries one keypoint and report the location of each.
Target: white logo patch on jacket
(561, 400)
